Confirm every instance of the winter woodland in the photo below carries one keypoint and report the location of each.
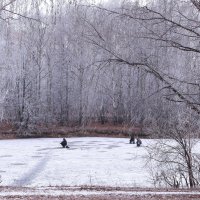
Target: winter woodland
(127, 62)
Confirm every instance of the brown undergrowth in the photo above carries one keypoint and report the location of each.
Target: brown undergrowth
(8, 131)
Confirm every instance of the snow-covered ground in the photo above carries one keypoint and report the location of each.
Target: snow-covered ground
(89, 161)
(77, 191)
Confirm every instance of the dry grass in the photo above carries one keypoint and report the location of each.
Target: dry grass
(137, 194)
(106, 197)
(7, 131)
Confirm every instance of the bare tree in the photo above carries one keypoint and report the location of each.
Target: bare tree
(175, 158)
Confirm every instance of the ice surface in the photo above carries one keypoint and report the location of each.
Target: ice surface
(89, 161)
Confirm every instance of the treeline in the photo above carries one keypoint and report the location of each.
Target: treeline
(74, 63)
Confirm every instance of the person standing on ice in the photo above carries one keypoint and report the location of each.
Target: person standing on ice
(138, 142)
(132, 139)
(64, 143)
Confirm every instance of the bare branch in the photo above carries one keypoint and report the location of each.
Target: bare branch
(7, 4)
(196, 4)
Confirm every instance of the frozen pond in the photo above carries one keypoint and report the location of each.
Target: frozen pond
(89, 161)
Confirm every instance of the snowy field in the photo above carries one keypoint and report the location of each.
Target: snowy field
(89, 161)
